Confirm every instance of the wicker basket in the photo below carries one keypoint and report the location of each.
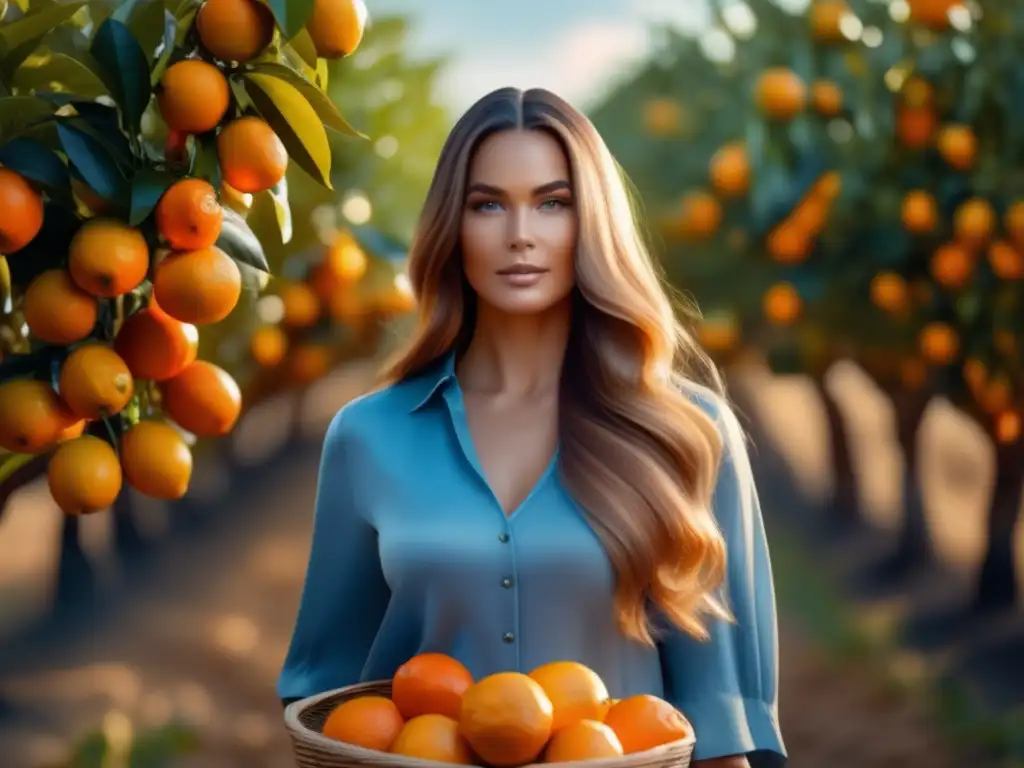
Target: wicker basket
(305, 720)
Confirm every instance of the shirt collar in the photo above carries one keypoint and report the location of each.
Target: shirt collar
(433, 380)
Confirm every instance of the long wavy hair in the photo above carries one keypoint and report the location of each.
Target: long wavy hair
(637, 453)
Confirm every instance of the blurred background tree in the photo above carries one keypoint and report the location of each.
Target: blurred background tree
(836, 180)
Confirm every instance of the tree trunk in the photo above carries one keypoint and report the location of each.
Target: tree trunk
(845, 493)
(997, 581)
(128, 542)
(914, 547)
(76, 580)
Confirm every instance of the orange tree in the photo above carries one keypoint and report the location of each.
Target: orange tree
(128, 131)
(863, 203)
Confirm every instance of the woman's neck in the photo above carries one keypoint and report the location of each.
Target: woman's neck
(516, 355)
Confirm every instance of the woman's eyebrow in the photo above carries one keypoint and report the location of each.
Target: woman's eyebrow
(543, 189)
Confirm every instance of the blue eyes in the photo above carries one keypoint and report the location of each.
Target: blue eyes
(553, 204)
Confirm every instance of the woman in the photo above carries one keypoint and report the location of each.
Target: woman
(542, 478)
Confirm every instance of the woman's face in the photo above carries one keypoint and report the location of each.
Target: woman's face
(519, 223)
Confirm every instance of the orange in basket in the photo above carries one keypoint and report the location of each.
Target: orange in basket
(430, 684)
(506, 718)
(372, 722)
(576, 692)
(583, 740)
(645, 722)
(433, 737)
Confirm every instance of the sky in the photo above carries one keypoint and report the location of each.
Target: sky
(568, 46)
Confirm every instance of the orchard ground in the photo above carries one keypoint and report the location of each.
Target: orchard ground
(201, 635)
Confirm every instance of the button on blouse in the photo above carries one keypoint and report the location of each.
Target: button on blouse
(412, 553)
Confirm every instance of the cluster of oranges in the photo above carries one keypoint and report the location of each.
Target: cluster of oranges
(559, 712)
(121, 314)
(333, 293)
(194, 283)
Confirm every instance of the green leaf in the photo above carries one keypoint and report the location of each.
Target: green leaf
(12, 462)
(282, 209)
(49, 248)
(149, 23)
(102, 121)
(302, 44)
(35, 25)
(296, 122)
(126, 70)
(58, 72)
(205, 164)
(92, 159)
(321, 103)
(18, 112)
(36, 162)
(237, 241)
(148, 187)
(291, 15)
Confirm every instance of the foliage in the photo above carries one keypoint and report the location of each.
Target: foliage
(884, 105)
(81, 119)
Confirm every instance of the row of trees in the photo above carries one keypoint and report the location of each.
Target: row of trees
(842, 183)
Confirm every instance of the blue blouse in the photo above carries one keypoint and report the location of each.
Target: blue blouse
(412, 553)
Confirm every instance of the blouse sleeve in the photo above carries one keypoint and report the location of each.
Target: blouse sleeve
(345, 595)
(728, 686)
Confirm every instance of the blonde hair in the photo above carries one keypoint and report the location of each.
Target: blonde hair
(637, 453)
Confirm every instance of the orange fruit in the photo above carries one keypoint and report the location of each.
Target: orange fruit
(188, 216)
(21, 212)
(1005, 261)
(974, 220)
(252, 157)
(662, 117)
(31, 416)
(193, 96)
(84, 475)
(95, 382)
(782, 304)
(198, 287)
(308, 362)
(371, 722)
(336, 27)
(345, 259)
(730, 170)
(234, 30)
(919, 212)
(430, 684)
(268, 346)
(506, 718)
(56, 310)
(780, 93)
(156, 346)
(301, 305)
(700, 215)
(576, 692)
(939, 343)
(108, 258)
(825, 17)
(203, 399)
(583, 740)
(827, 98)
(958, 146)
(644, 722)
(952, 266)
(156, 460)
(433, 737)
(889, 291)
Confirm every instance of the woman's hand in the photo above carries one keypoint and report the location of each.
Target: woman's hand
(734, 761)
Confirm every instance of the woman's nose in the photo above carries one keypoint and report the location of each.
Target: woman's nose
(520, 236)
